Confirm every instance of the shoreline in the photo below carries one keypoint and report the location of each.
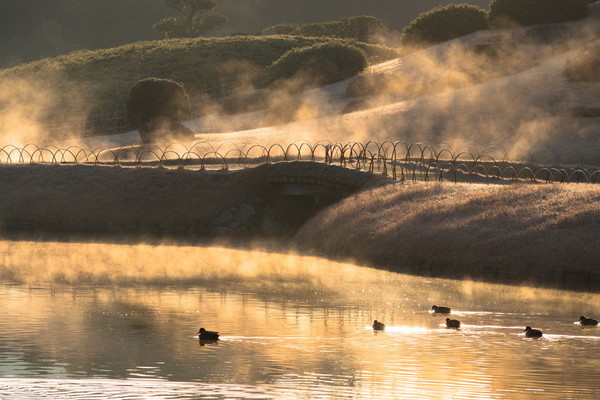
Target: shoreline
(541, 235)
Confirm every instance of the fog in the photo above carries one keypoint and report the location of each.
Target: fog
(504, 87)
(264, 271)
(39, 109)
(496, 87)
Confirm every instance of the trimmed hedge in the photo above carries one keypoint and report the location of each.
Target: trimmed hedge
(364, 28)
(444, 23)
(280, 29)
(585, 66)
(321, 63)
(154, 97)
(534, 12)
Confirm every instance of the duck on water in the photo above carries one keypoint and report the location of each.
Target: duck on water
(583, 320)
(441, 310)
(378, 326)
(452, 323)
(203, 334)
(533, 333)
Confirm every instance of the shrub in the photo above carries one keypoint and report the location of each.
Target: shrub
(444, 23)
(280, 29)
(533, 12)
(321, 63)
(585, 66)
(364, 28)
(154, 97)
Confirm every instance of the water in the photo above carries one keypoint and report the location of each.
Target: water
(85, 321)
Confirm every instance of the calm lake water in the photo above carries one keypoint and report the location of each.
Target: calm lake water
(84, 321)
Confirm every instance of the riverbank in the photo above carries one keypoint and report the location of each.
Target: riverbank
(268, 201)
(540, 235)
(535, 234)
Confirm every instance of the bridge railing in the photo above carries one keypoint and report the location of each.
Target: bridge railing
(397, 160)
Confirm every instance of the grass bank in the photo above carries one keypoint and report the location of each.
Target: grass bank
(167, 203)
(521, 233)
(79, 199)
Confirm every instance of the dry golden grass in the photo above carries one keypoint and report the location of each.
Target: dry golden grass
(512, 233)
(87, 198)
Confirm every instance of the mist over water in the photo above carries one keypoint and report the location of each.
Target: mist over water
(80, 320)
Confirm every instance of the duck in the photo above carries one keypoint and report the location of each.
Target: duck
(452, 323)
(378, 326)
(441, 310)
(534, 333)
(203, 334)
(583, 320)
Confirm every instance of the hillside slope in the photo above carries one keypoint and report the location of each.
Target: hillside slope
(538, 234)
(523, 105)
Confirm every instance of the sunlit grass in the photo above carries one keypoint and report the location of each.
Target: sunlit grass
(516, 232)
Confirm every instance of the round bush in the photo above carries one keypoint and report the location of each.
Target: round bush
(585, 66)
(444, 23)
(534, 12)
(321, 63)
(154, 97)
(364, 28)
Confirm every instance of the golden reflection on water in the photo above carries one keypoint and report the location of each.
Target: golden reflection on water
(290, 324)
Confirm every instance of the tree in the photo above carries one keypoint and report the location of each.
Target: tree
(155, 97)
(197, 17)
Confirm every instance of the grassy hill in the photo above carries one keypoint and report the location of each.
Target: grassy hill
(537, 234)
(32, 29)
(89, 80)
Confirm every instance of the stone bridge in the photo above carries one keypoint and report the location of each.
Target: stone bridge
(319, 181)
(297, 191)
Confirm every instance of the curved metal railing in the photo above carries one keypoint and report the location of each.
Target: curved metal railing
(398, 160)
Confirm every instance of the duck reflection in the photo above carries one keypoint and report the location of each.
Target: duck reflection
(204, 342)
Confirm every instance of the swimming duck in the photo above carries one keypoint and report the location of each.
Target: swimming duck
(583, 320)
(203, 334)
(378, 326)
(452, 323)
(533, 332)
(441, 310)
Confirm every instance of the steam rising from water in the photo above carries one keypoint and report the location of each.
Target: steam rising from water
(111, 264)
(260, 271)
(132, 341)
